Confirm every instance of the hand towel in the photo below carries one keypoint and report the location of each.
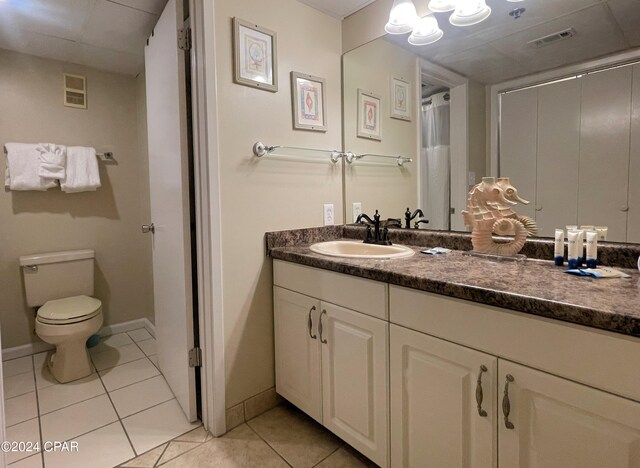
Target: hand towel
(82, 170)
(23, 163)
(52, 160)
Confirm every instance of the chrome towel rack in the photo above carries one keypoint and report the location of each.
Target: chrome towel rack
(261, 149)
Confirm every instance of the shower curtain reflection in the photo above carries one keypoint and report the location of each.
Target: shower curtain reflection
(435, 161)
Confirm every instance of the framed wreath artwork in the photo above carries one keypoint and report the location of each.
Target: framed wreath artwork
(255, 56)
(309, 102)
(369, 115)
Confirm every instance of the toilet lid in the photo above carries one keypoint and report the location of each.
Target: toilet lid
(69, 309)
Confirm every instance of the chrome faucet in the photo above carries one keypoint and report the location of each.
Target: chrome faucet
(408, 217)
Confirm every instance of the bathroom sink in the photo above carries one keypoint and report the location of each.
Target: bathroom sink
(356, 249)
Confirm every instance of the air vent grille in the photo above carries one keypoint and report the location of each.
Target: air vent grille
(552, 38)
(75, 91)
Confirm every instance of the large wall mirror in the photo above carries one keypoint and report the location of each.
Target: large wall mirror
(544, 92)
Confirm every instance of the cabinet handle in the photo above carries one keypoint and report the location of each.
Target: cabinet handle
(506, 404)
(310, 323)
(479, 395)
(322, 340)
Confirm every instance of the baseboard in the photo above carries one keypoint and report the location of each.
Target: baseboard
(40, 346)
(252, 407)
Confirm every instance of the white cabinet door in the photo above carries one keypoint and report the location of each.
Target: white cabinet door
(556, 423)
(297, 350)
(443, 398)
(354, 379)
(604, 151)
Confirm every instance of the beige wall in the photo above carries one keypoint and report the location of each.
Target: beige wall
(477, 130)
(270, 193)
(387, 188)
(107, 220)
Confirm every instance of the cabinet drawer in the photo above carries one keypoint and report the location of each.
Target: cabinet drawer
(598, 358)
(362, 295)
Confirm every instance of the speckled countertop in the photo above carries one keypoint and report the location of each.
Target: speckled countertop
(533, 286)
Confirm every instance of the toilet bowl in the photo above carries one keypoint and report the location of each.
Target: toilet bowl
(60, 285)
(67, 324)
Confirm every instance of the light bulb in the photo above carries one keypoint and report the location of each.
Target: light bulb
(442, 6)
(426, 31)
(402, 17)
(470, 12)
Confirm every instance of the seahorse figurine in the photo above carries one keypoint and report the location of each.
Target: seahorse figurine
(489, 211)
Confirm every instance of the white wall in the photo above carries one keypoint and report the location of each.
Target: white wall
(270, 193)
(107, 220)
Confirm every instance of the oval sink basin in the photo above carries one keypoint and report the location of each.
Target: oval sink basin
(356, 249)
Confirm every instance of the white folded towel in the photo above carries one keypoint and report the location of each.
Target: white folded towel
(82, 170)
(52, 160)
(23, 164)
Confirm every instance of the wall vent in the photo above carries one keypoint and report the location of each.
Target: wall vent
(75, 91)
(552, 38)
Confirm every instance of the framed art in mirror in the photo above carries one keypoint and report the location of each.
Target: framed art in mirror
(308, 102)
(401, 99)
(369, 115)
(255, 56)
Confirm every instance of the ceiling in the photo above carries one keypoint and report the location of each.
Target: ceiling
(338, 8)
(496, 50)
(105, 34)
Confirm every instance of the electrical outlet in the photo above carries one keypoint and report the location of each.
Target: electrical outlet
(357, 210)
(328, 214)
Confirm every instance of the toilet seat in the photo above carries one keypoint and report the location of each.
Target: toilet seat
(69, 310)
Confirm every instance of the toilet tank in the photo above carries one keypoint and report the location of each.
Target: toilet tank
(57, 275)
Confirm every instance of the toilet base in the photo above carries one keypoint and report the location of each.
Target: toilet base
(71, 359)
(70, 362)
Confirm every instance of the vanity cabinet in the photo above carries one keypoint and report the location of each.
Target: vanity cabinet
(332, 361)
(416, 379)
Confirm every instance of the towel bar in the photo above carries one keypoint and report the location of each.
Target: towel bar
(106, 156)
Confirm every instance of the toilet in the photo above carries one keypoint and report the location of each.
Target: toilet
(60, 284)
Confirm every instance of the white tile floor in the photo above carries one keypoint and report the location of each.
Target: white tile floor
(121, 410)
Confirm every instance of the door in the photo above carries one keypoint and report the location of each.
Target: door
(604, 151)
(633, 226)
(169, 181)
(443, 397)
(297, 350)
(354, 379)
(556, 423)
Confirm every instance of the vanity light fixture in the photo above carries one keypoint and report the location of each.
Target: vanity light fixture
(442, 6)
(426, 31)
(470, 12)
(402, 18)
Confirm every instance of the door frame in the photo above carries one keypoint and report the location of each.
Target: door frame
(459, 136)
(208, 215)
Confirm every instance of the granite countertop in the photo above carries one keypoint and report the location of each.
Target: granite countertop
(533, 286)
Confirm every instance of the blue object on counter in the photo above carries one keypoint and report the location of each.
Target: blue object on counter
(559, 261)
(94, 340)
(580, 272)
(573, 263)
(592, 263)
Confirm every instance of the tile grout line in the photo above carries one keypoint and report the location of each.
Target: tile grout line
(161, 455)
(338, 448)
(117, 414)
(268, 444)
(35, 383)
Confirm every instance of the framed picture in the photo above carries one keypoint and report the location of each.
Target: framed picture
(255, 56)
(400, 99)
(309, 103)
(369, 115)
